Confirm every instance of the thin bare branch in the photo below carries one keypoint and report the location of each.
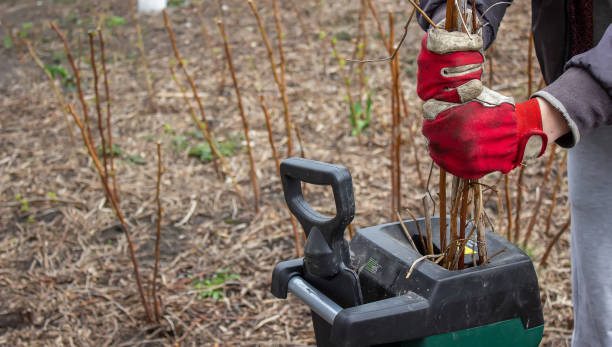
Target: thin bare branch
(160, 171)
(77, 77)
(108, 116)
(194, 90)
(277, 79)
(92, 53)
(96, 161)
(245, 124)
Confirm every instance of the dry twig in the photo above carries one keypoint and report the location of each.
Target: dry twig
(94, 157)
(279, 82)
(108, 116)
(405, 230)
(416, 262)
(294, 225)
(245, 124)
(194, 90)
(97, 102)
(160, 171)
(555, 239)
(77, 77)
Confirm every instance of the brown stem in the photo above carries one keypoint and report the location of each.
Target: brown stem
(416, 6)
(96, 161)
(294, 225)
(530, 65)
(160, 171)
(108, 117)
(490, 52)
(508, 207)
(208, 137)
(58, 95)
(143, 55)
(280, 35)
(442, 196)
(430, 249)
(296, 237)
(474, 16)
(97, 102)
(415, 152)
(361, 46)
(481, 236)
(279, 82)
(462, 223)
(245, 124)
(194, 90)
(352, 231)
(452, 22)
(554, 241)
(379, 25)
(418, 226)
(298, 134)
(395, 126)
(493, 191)
(389, 48)
(404, 229)
(519, 201)
(270, 137)
(77, 77)
(455, 198)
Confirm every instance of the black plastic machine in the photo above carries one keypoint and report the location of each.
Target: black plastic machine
(359, 294)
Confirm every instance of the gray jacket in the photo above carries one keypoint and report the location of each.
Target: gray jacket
(580, 87)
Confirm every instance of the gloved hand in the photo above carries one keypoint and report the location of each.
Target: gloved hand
(449, 66)
(472, 130)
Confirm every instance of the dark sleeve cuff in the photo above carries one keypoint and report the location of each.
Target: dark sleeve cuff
(581, 100)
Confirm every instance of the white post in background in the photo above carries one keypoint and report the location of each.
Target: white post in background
(151, 5)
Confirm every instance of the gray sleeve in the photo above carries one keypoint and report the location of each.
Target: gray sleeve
(436, 10)
(583, 94)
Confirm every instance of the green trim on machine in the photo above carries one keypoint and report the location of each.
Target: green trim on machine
(509, 333)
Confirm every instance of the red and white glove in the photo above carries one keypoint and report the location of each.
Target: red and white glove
(472, 130)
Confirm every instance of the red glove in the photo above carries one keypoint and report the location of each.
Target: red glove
(449, 66)
(472, 130)
(476, 138)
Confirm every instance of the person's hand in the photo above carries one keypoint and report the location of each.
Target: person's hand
(471, 130)
(484, 135)
(449, 66)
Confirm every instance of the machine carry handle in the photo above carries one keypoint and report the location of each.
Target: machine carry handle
(294, 171)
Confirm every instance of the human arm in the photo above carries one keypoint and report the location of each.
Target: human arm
(554, 124)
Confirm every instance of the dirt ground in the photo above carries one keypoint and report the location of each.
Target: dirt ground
(65, 272)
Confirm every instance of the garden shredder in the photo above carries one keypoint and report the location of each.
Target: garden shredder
(359, 295)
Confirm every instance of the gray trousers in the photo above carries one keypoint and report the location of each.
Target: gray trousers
(589, 171)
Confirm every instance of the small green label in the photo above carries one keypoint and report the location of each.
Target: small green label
(372, 266)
